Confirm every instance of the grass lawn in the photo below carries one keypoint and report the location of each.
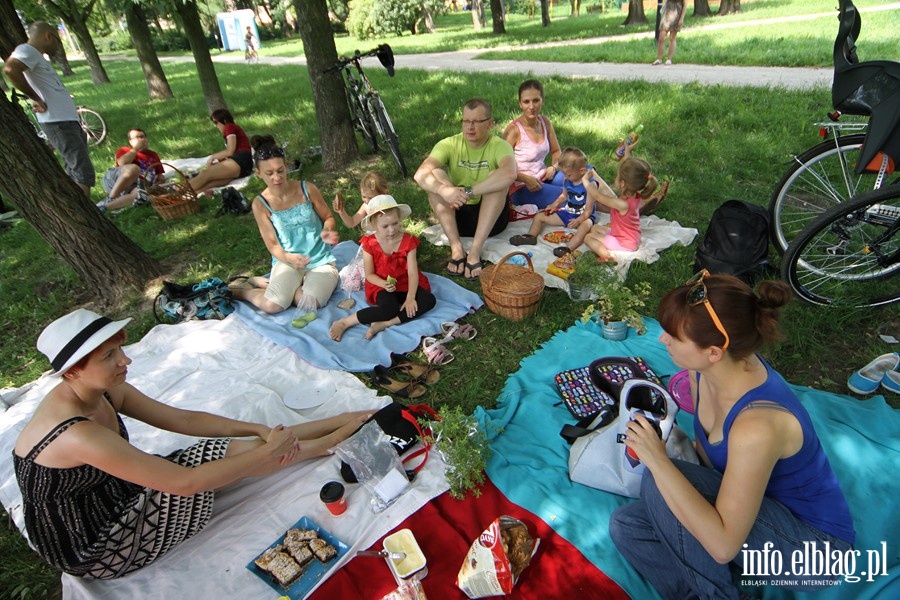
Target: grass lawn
(714, 142)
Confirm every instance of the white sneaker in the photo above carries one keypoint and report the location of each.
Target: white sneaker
(656, 62)
(668, 62)
(101, 206)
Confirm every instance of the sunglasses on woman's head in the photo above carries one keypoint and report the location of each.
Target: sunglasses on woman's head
(698, 294)
(267, 153)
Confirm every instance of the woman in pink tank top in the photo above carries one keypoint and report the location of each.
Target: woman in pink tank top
(533, 138)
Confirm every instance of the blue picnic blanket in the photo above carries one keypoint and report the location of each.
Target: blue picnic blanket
(529, 461)
(354, 353)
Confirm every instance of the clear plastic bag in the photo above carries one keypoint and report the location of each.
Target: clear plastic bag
(375, 463)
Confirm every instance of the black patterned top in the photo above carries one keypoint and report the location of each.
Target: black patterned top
(70, 512)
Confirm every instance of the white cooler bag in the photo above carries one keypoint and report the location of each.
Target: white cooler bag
(600, 459)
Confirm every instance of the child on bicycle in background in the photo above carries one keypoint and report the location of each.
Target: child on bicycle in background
(396, 289)
(574, 208)
(372, 184)
(635, 183)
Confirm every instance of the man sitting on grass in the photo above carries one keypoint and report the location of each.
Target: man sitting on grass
(467, 176)
(137, 168)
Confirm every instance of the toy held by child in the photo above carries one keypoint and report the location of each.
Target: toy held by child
(372, 184)
(395, 288)
(635, 181)
(574, 208)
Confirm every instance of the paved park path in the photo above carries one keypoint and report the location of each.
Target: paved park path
(466, 61)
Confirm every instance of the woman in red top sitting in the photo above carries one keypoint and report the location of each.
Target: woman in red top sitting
(395, 288)
(235, 161)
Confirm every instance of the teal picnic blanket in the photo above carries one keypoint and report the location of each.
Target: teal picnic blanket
(529, 461)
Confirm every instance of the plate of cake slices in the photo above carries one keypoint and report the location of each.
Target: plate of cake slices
(309, 394)
(294, 563)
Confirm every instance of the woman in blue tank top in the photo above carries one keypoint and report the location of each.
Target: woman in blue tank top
(298, 230)
(765, 493)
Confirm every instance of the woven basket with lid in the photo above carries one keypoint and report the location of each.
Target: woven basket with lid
(512, 291)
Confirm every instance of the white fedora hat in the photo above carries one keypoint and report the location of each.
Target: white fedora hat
(68, 339)
(381, 203)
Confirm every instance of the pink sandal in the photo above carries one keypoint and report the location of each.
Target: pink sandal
(435, 351)
(453, 330)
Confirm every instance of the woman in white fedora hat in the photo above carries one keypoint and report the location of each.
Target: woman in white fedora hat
(96, 506)
(395, 288)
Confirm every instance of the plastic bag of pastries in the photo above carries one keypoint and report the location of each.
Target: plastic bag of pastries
(495, 560)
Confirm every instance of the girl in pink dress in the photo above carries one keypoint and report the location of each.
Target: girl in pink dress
(634, 182)
(395, 288)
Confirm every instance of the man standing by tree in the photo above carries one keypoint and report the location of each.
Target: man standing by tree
(30, 72)
(467, 177)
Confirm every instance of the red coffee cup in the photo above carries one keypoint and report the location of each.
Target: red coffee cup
(332, 494)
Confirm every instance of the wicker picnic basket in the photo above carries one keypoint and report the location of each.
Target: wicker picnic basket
(512, 291)
(174, 199)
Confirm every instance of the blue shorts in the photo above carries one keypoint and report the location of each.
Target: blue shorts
(567, 215)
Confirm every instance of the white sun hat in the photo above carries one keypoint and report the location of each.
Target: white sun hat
(381, 203)
(68, 339)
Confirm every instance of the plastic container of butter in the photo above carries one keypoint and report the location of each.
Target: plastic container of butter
(414, 565)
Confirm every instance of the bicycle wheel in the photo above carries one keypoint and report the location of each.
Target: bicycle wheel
(387, 132)
(851, 254)
(362, 122)
(93, 125)
(819, 178)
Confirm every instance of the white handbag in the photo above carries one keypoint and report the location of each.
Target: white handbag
(600, 458)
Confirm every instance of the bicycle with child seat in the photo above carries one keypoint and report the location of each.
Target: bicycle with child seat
(848, 250)
(853, 158)
(367, 111)
(92, 123)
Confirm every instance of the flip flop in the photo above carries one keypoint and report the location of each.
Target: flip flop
(435, 351)
(456, 263)
(453, 330)
(471, 267)
(655, 200)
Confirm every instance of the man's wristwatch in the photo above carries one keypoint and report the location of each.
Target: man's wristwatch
(468, 191)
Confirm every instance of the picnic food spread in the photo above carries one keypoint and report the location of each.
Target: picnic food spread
(558, 237)
(285, 562)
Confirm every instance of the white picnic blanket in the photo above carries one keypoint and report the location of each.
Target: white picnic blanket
(227, 368)
(656, 235)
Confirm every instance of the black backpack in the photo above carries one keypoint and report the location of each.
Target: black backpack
(736, 241)
(233, 202)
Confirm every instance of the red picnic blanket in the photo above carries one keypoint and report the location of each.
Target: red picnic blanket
(445, 528)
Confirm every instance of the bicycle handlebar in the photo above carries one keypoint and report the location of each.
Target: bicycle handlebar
(383, 51)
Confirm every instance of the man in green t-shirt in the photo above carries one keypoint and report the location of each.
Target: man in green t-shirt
(467, 177)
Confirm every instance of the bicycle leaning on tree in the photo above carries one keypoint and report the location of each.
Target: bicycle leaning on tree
(838, 209)
(367, 111)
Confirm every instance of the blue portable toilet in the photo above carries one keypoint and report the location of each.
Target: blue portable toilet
(232, 26)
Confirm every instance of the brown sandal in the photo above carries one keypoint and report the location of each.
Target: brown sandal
(404, 389)
(422, 373)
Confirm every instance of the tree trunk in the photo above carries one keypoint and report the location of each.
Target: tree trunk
(105, 259)
(575, 6)
(61, 60)
(701, 8)
(497, 17)
(545, 13)
(157, 84)
(11, 33)
(339, 147)
(636, 14)
(75, 18)
(428, 19)
(209, 81)
(477, 10)
(729, 7)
